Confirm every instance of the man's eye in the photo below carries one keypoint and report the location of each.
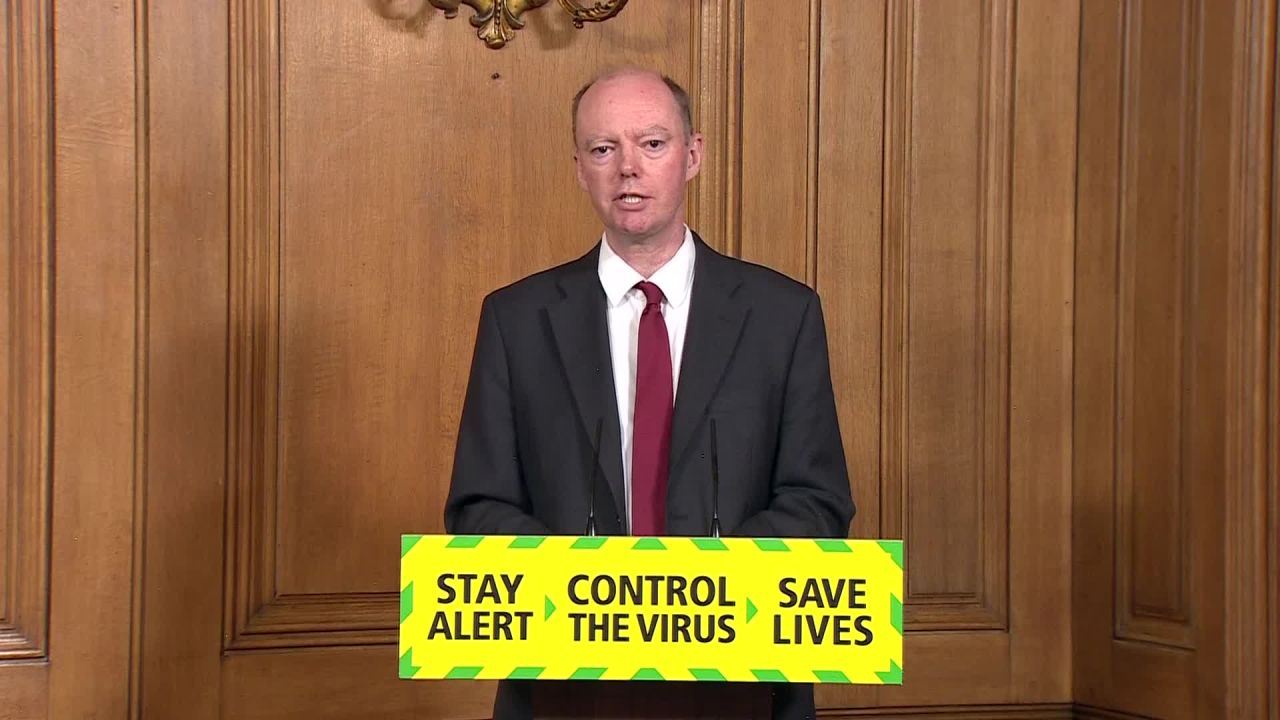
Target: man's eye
(600, 150)
(655, 144)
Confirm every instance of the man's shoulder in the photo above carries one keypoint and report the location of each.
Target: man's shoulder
(763, 283)
(540, 287)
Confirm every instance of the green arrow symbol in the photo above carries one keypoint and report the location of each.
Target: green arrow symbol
(548, 608)
(751, 609)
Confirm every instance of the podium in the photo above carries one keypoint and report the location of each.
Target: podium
(648, 627)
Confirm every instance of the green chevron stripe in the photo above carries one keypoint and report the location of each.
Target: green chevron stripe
(769, 675)
(709, 544)
(525, 673)
(893, 676)
(649, 544)
(548, 608)
(706, 674)
(751, 609)
(833, 546)
(588, 673)
(770, 545)
(464, 672)
(647, 674)
(895, 613)
(465, 542)
(588, 543)
(407, 542)
(894, 550)
(406, 602)
(526, 542)
(831, 676)
(407, 668)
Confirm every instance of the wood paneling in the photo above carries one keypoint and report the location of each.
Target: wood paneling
(716, 89)
(25, 689)
(97, 351)
(850, 191)
(340, 685)
(1155, 328)
(1251, 390)
(1040, 345)
(1271, 678)
(775, 132)
(962, 330)
(1027, 711)
(275, 222)
(946, 314)
(26, 321)
(187, 215)
(1170, 345)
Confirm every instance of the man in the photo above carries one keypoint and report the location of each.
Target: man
(648, 342)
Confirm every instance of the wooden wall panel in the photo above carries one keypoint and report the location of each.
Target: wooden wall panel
(97, 350)
(1157, 677)
(1041, 295)
(1169, 392)
(778, 100)
(1154, 325)
(972, 403)
(26, 264)
(25, 689)
(180, 637)
(946, 313)
(850, 191)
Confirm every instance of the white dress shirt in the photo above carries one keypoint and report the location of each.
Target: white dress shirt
(625, 305)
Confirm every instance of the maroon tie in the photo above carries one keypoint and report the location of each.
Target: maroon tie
(651, 427)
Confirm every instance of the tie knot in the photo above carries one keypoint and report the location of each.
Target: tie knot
(652, 293)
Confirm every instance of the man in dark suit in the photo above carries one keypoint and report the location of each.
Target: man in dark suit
(648, 341)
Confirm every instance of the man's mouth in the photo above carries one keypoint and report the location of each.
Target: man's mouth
(630, 199)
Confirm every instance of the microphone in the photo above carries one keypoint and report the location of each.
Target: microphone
(595, 471)
(715, 484)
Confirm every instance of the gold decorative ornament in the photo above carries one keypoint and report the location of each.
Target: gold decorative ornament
(496, 21)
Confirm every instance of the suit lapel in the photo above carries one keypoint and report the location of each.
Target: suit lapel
(715, 323)
(581, 334)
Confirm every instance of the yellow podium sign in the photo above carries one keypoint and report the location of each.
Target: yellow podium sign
(637, 608)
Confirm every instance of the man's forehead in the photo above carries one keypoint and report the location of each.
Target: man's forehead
(625, 128)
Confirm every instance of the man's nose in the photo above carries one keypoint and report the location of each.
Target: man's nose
(627, 167)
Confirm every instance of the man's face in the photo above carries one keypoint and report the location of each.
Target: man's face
(633, 158)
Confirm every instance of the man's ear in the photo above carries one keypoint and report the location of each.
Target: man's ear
(577, 169)
(693, 157)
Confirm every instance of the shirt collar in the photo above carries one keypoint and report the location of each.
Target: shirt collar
(675, 278)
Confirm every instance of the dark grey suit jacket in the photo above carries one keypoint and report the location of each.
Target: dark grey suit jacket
(755, 359)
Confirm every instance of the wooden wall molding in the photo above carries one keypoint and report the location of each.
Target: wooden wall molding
(1021, 711)
(1250, 543)
(1272, 678)
(28, 364)
(1088, 712)
(985, 604)
(141, 352)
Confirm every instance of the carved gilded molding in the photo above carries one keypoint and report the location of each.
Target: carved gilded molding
(496, 21)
